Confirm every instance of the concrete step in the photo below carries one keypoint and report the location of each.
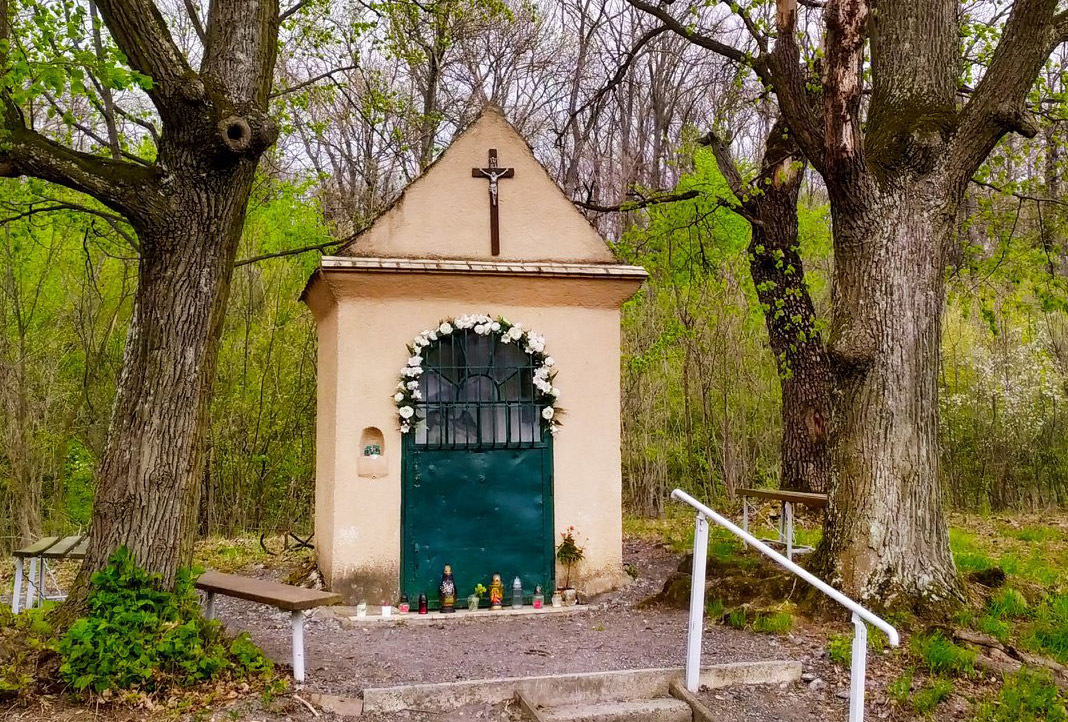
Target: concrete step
(661, 709)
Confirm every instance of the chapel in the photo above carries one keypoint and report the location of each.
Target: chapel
(469, 383)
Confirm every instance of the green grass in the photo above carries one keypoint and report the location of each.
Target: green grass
(900, 690)
(1026, 697)
(715, 609)
(1049, 633)
(931, 695)
(941, 656)
(1008, 603)
(737, 618)
(775, 623)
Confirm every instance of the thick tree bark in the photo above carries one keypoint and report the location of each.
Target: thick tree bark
(885, 539)
(152, 466)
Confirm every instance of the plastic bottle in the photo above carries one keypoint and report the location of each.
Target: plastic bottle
(517, 593)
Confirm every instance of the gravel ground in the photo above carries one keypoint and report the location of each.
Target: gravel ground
(615, 632)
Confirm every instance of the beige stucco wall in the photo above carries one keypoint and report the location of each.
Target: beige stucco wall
(377, 315)
(445, 212)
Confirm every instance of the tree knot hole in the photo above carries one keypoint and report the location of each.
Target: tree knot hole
(236, 133)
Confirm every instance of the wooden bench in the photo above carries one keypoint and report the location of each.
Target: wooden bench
(295, 600)
(38, 554)
(786, 520)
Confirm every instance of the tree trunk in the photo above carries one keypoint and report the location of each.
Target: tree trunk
(769, 203)
(800, 356)
(151, 471)
(885, 540)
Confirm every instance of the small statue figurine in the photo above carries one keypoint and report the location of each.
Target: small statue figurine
(496, 592)
(447, 591)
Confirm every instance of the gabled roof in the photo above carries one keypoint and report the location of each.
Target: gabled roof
(445, 212)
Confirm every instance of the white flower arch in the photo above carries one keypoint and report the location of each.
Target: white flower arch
(408, 393)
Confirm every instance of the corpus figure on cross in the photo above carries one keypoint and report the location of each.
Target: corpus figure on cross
(493, 173)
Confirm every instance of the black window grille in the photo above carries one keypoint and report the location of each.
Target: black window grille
(477, 393)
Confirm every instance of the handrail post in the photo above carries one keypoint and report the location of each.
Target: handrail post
(858, 670)
(697, 603)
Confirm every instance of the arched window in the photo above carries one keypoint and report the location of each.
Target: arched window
(477, 393)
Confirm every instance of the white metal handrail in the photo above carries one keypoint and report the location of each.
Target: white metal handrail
(861, 615)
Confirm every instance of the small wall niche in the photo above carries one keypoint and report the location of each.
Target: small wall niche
(372, 463)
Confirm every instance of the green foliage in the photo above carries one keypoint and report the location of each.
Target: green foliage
(900, 690)
(1029, 696)
(840, 649)
(941, 656)
(140, 636)
(737, 618)
(23, 639)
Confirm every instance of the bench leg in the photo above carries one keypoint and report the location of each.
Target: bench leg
(41, 569)
(16, 593)
(298, 646)
(209, 606)
(745, 514)
(788, 509)
(31, 581)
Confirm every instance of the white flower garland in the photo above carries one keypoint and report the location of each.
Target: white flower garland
(408, 393)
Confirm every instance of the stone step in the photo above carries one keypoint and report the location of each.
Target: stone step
(661, 709)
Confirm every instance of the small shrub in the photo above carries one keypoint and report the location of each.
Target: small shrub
(1027, 696)
(840, 649)
(932, 695)
(942, 656)
(139, 636)
(776, 623)
(23, 639)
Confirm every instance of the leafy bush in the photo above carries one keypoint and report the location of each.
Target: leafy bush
(23, 638)
(940, 655)
(138, 635)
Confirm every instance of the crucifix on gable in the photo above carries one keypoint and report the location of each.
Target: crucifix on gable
(493, 173)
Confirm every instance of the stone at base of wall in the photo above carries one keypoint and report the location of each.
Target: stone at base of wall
(593, 585)
(375, 586)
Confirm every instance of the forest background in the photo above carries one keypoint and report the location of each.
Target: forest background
(616, 109)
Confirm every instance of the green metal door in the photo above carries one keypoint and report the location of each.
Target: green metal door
(477, 478)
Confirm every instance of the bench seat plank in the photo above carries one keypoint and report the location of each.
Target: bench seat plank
(65, 548)
(816, 501)
(35, 549)
(276, 594)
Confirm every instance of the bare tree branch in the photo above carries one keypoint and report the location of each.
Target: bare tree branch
(141, 33)
(638, 203)
(997, 106)
(194, 17)
(312, 81)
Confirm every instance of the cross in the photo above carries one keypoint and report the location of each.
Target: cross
(493, 173)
